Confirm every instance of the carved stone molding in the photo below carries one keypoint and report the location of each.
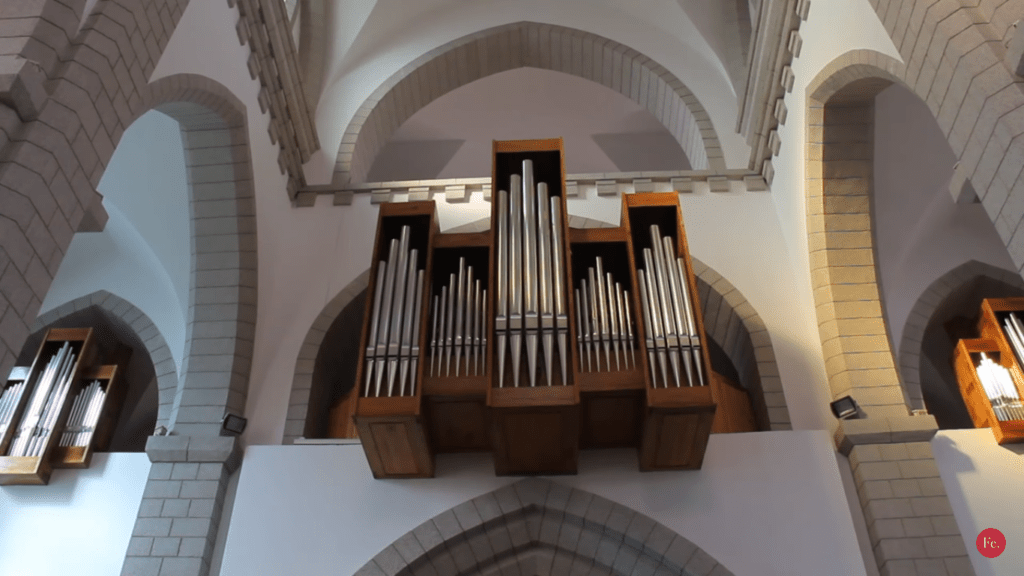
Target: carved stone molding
(762, 109)
(264, 26)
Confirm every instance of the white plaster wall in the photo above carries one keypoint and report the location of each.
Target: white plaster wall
(78, 524)
(397, 33)
(522, 104)
(920, 232)
(290, 515)
(143, 255)
(984, 481)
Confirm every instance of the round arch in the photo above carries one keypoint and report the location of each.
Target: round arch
(516, 45)
(912, 342)
(519, 527)
(854, 337)
(221, 320)
(729, 318)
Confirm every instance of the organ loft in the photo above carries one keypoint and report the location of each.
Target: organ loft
(432, 288)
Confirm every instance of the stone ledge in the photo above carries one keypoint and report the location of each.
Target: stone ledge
(888, 430)
(220, 449)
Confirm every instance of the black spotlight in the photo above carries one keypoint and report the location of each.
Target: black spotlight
(233, 424)
(844, 408)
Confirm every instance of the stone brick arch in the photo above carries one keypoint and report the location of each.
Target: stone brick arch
(536, 526)
(729, 319)
(517, 45)
(221, 321)
(840, 136)
(124, 311)
(925, 308)
(732, 322)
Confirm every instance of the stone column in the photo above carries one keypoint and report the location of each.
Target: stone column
(181, 506)
(910, 522)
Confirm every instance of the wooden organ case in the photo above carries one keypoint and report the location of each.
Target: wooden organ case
(992, 404)
(58, 411)
(531, 372)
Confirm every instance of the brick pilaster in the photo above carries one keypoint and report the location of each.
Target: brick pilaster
(910, 522)
(181, 506)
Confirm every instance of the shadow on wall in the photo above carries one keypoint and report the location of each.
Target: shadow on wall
(413, 160)
(955, 318)
(139, 412)
(334, 372)
(643, 151)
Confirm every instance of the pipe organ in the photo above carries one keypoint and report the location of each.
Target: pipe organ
(532, 340)
(58, 411)
(989, 369)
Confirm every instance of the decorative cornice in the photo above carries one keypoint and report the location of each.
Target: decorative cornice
(611, 183)
(264, 25)
(762, 109)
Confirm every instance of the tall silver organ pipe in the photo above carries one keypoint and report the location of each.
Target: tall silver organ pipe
(668, 313)
(532, 303)
(460, 321)
(392, 350)
(44, 405)
(603, 321)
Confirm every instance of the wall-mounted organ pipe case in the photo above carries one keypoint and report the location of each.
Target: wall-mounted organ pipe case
(56, 412)
(989, 371)
(532, 340)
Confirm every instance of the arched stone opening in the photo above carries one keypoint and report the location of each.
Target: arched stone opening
(539, 527)
(325, 367)
(946, 312)
(222, 296)
(535, 45)
(856, 233)
(149, 374)
(840, 120)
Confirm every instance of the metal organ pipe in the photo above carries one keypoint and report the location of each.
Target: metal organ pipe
(668, 313)
(392, 349)
(605, 320)
(529, 239)
(461, 320)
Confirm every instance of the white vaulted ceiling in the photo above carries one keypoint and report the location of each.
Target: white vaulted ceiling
(363, 44)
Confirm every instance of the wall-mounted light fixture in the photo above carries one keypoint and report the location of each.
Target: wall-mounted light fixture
(233, 424)
(844, 408)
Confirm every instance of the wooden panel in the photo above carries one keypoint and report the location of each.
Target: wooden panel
(459, 424)
(735, 412)
(536, 441)
(675, 440)
(394, 448)
(611, 420)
